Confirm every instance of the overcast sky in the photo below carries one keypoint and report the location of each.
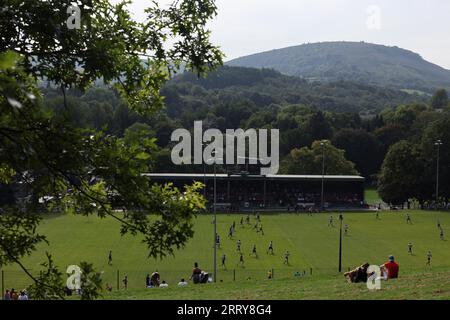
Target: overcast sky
(244, 27)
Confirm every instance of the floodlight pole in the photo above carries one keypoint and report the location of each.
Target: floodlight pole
(215, 216)
(438, 143)
(341, 218)
(323, 175)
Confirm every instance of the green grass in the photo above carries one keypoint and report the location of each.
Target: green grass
(311, 242)
(371, 196)
(425, 285)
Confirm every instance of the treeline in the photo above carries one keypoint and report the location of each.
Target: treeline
(250, 98)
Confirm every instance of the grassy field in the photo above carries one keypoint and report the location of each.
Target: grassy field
(311, 242)
(425, 285)
(371, 196)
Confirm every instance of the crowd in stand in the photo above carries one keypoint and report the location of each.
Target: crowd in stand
(243, 197)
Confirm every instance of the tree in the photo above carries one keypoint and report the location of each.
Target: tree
(361, 148)
(137, 133)
(388, 135)
(87, 171)
(401, 172)
(439, 99)
(437, 130)
(309, 160)
(319, 127)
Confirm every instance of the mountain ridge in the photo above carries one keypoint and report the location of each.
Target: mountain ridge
(374, 64)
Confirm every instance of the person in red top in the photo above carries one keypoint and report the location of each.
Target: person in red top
(392, 268)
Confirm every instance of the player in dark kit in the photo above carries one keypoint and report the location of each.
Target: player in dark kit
(286, 257)
(241, 259)
(429, 256)
(254, 251)
(230, 232)
(270, 247)
(125, 282)
(218, 241)
(410, 248)
(408, 219)
(110, 257)
(261, 229)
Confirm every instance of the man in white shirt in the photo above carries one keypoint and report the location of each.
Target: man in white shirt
(163, 284)
(23, 295)
(182, 283)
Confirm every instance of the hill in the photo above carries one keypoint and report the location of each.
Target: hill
(352, 61)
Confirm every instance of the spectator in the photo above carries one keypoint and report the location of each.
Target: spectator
(163, 284)
(392, 268)
(14, 295)
(147, 281)
(196, 273)
(358, 274)
(182, 283)
(23, 295)
(154, 279)
(67, 291)
(7, 295)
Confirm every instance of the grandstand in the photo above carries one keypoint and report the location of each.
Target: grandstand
(240, 192)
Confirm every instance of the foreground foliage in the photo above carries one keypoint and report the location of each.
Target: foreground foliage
(53, 165)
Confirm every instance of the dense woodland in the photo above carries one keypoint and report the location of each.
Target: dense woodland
(303, 112)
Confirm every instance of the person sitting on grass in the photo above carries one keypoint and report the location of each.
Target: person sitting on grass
(163, 284)
(148, 283)
(154, 279)
(358, 274)
(392, 268)
(196, 274)
(182, 283)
